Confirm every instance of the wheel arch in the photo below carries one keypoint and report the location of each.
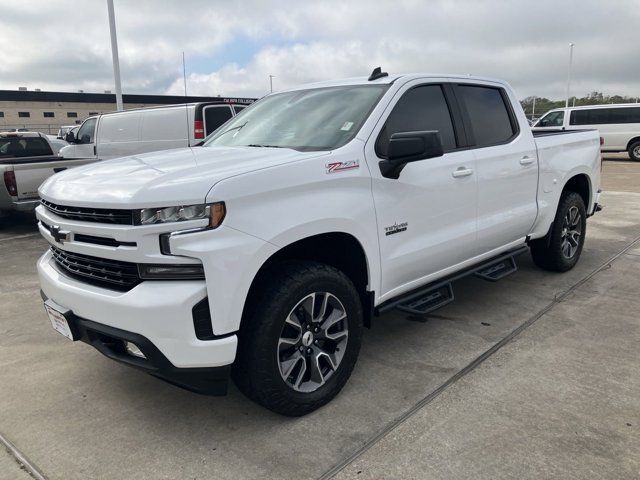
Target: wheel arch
(338, 249)
(580, 184)
(632, 141)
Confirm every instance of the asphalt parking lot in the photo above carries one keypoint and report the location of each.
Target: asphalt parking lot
(535, 376)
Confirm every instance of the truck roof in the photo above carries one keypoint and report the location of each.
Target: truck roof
(391, 78)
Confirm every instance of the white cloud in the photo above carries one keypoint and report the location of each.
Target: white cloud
(67, 47)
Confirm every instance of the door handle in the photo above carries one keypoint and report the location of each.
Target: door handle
(526, 160)
(59, 169)
(462, 172)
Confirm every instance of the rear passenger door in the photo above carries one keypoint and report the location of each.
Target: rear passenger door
(506, 165)
(427, 216)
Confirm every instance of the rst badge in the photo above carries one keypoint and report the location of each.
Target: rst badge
(335, 167)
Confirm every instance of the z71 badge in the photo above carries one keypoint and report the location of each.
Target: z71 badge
(340, 166)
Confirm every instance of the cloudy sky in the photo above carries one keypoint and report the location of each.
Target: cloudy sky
(232, 47)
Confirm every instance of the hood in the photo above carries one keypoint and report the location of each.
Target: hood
(172, 177)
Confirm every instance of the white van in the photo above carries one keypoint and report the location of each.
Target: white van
(619, 125)
(142, 130)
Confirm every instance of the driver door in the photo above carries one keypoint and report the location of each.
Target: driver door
(85, 139)
(427, 217)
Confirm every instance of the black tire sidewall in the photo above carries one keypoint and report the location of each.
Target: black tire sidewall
(567, 201)
(631, 148)
(265, 327)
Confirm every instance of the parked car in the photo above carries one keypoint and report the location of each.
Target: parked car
(619, 125)
(26, 160)
(264, 252)
(62, 131)
(151, 129)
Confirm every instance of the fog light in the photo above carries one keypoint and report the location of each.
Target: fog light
(132, 349)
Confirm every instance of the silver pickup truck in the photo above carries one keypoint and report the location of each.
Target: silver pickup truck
(26, 160)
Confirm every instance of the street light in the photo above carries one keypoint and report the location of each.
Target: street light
(566, 104)
(271, 83)
(114, 54)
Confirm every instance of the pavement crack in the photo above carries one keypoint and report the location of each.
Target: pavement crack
(558, 298)
(21, 459)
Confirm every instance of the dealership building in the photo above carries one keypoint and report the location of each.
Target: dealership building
(47, 111)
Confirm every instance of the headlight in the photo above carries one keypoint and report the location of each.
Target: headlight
(214, 212)
(152, 271)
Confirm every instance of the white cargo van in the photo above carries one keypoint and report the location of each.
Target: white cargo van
(142, 130)
(619, 125)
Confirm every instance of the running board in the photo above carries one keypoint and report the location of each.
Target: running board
(497, 270)
(425, 302)
(430, 297)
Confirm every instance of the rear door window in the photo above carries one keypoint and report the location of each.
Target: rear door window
(24, 147)
(214, 116)
(491, 120)
(421, 108)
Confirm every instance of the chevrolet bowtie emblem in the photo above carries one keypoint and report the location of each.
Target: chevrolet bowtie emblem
(60, 236)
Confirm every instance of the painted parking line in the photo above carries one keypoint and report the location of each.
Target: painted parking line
(16, 237)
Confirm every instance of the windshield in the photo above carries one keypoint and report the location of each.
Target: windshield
(305, 120)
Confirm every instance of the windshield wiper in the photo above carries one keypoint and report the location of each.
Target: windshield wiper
(233, 128)
(264, 146)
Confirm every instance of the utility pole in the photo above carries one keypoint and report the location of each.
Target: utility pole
(566, 104)
(533, 109)
(184, 76)
(114, 55)
(271, 83)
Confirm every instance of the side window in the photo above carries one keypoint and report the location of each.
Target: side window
(87, 131)
(625, 115)
(239, 108)
(215, 116)
(553, 119)
(36, 146)
(421, 108)
(579, 117)
(489, 115)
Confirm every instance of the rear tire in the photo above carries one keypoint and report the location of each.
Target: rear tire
(300, 338)
(560, 250)
(634, 151)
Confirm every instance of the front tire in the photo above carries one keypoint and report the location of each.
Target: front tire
(634, 151)
(561, 249)
(300, 338)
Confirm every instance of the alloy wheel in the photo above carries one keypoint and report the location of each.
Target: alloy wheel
(571, 232)
(313, 341)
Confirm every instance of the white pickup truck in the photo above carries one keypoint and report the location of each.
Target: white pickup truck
(26, 160)
(264, 252)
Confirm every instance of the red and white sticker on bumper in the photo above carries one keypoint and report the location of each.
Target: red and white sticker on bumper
(335, 167)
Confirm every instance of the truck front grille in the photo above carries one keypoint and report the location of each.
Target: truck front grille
(98, 215)
(112, 274)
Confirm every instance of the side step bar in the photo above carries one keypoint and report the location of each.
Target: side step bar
(428, 298)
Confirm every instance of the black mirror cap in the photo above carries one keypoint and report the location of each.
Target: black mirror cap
(408, 147)
(70, 137)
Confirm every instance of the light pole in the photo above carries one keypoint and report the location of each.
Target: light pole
(114, 54)
(533, 110)
(271, 83)
(566, 104)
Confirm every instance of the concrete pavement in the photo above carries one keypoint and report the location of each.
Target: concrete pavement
(553, 402)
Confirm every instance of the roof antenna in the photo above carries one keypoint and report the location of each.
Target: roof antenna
(377, 73)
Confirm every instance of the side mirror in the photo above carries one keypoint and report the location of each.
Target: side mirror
(408, 147)
(70, 137)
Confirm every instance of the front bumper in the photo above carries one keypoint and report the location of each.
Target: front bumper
(159, 311)
(110, 342)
